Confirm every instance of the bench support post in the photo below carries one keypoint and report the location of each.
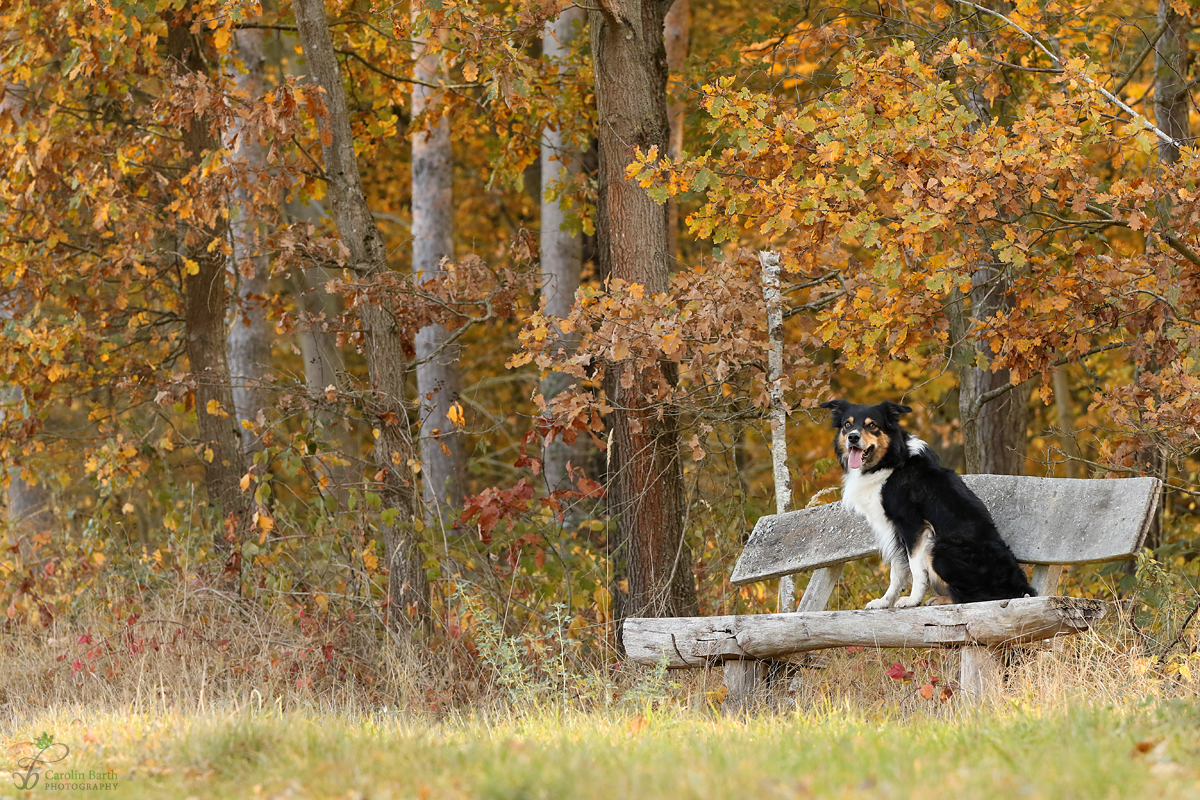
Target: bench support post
(742, 678)
(820, 588)
(980, 671)
(1046, 578)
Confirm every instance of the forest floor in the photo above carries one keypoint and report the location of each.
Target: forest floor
(1011, 749)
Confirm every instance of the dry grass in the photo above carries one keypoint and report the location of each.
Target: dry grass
(202, 696)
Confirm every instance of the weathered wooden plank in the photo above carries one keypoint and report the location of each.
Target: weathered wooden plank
(699, 641)
(1044, 520)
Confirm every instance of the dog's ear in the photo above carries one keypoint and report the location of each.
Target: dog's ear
(893, 411)
(837, 408)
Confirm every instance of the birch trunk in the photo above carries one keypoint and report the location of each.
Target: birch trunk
(205, 303)
(408, 585)
(249, 341)
(433, 239)
(561, 251)
(646, 474)
(783, 479)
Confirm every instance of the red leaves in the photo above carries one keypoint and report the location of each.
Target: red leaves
(493, 505)
(929, 690)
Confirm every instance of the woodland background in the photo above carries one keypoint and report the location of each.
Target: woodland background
(438, 327)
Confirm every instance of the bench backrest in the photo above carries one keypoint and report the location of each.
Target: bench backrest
(1044, 521)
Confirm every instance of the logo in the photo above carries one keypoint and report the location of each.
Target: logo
(31, 770)
(49, 752)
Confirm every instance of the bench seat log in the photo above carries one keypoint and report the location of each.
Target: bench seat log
(684, 642)
(1044, 521)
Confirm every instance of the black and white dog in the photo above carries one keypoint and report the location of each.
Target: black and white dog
(927, 523)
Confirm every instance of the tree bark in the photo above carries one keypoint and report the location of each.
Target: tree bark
(561, 251)
(1170, 81)
(1066, 425)
(994, 433)
(647, 479)
(1171, 109)
(249, 341)
(677, 36)
(28, 506)
(438, 380)
(205, 303)
(408, 585)
(995, 440)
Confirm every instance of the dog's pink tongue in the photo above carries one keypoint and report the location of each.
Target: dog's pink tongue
(855, 459)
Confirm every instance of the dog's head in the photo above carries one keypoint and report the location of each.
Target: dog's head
(867, 436)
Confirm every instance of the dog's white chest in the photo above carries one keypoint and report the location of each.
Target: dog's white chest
(864, 494)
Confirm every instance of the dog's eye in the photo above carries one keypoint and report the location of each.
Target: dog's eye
(846, 425)
(871, 426)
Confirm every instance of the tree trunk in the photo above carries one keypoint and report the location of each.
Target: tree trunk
(433, 239)
(1066, 425)
(28, 503)
(1170, 81)
(647, 479)
(1171, 109)
(249, 340)
(408, 585)
(676, 34)
(994, 432)
(995, 440)
(205, 303)
(561, 251)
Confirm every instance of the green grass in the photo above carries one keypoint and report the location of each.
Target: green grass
(1131, 751)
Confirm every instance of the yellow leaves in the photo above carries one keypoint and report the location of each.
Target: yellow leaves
(244, 483)
(262, 518)
(370, 560)
(208, 454)
(190, 267)
(455, 415)
(214, 409)
(832, 152)
(470, 71)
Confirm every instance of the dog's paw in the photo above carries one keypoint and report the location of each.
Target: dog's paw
(908, 602)
(940, 600)
(878, 604)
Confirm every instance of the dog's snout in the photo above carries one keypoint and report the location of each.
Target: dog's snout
(853, 437)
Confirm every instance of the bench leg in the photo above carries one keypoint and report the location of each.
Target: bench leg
(742, 679)
(981, 671)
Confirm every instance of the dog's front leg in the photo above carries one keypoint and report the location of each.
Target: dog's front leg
(920, 585)
(899, 578)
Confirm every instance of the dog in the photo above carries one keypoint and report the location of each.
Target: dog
(929, 526)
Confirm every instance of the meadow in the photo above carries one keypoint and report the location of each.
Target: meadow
(1090, 716)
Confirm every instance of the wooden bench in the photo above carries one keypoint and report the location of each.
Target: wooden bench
(1048, 522)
